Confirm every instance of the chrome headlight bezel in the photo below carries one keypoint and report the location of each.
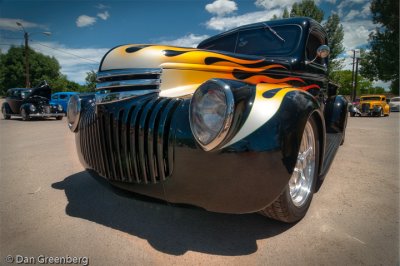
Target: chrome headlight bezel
(32, 108)
(197, 113)
(74, 112)
(60, 108)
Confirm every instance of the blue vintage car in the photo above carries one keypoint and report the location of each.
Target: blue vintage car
(62, 98)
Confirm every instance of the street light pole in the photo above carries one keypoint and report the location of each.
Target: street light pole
(356, 78)
(356, 57)
(27, 81)
(26, 37)
(353, 97)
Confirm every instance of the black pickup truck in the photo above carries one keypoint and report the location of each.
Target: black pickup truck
(246, 122)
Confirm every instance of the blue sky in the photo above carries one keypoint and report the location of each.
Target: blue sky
(83, 31)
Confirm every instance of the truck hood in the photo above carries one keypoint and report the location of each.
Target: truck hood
(171, 57)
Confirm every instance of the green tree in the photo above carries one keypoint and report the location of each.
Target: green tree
(12, 66)
(307, 8)
(334, 31)
(90, 80)
(285, 13)
(344, 79)
(63, 84)
(382, 61)
(42, 67)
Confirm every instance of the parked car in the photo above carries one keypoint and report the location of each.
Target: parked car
(28, 103)
(374, 105)
(395, 104)
(246, 122)
(62, 98)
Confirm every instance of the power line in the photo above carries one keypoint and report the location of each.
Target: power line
(51, 53)
(60, 50)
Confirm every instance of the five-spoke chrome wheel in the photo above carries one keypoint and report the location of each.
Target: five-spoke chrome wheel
(300, 183)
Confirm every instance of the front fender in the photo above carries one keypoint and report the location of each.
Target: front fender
(336, 114)
(250, 173)
(26, 106)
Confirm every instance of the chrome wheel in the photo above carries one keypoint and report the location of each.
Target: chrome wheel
(303, 175)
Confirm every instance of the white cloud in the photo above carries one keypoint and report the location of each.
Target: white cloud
(104, 16)
(356, 33)
(101, 6)
(84, 21)
(189, 40)
(221, 7)
(351, 15)
(11, 24)
(270, 4)
(75, 67)
(225, 23)
(366, 11)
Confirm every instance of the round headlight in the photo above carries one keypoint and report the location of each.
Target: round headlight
(211, 113)
(74, 112)
(32, 108)
(59, 108)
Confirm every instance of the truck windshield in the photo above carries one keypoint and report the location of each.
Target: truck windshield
(263, 41)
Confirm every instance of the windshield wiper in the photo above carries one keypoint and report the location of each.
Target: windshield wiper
(274, 32)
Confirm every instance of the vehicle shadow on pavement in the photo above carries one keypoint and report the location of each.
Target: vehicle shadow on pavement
(172, 229)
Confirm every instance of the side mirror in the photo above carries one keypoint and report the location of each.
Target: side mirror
(323, 51)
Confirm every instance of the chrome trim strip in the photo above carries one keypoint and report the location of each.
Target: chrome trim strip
(40, 115)
(127, 72)
(120, 96)
(127, 83)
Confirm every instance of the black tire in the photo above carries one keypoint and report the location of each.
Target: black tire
(5, 115)
(352, 114)
(24, 115)
(283, 208)
(59, 117)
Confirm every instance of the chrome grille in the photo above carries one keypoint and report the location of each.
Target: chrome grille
(131, 143)
(118, 84)
(365, 107)
(128, 79)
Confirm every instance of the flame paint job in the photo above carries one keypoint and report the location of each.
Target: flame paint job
(184, 69)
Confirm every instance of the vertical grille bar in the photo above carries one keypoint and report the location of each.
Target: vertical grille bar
(160, 140)
(133, 141)
(125, 142)
(109, 140)
(104, 147)
(142, 136)
(99, 146)
(168, 140)
(152, 140)
(117, 146)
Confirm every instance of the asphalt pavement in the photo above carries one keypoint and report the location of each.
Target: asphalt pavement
(52, 209)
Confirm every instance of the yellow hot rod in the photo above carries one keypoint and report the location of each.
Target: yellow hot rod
(374, 105)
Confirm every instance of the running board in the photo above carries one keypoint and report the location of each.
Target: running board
(333, 141)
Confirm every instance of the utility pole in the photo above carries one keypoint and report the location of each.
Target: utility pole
(27, 81)
(356, 57)
(356, 79)
(353, 95)
(26, 37)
